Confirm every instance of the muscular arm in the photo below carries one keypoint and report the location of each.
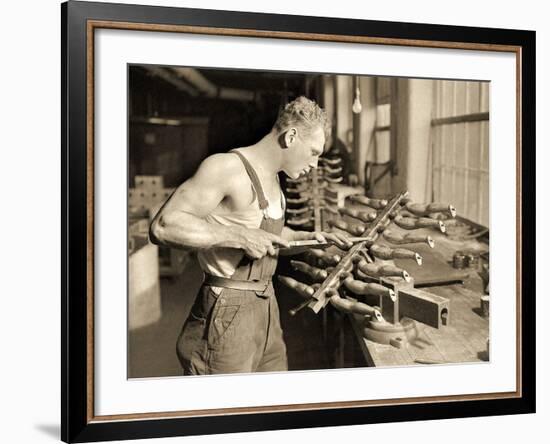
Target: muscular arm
(180, 222)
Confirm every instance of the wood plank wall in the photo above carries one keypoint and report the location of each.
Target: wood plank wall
(461, 149)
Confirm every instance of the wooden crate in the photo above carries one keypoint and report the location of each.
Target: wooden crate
(144, 302)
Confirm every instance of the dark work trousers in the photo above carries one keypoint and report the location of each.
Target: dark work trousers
(237, 331)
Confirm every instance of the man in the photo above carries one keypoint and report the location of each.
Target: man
(232, 212)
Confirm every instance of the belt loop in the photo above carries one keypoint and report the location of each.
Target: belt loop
(263, 292)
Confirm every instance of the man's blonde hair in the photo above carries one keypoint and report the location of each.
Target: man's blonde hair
(304, 113)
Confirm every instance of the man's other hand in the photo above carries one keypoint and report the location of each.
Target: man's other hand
(257, 243)
(339, 239)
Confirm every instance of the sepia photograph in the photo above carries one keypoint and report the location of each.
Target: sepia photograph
(280, 222)
(298, 221)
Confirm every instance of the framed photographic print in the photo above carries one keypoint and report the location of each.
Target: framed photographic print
(276, 221)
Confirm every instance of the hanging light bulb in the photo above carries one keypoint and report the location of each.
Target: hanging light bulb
(356, 108)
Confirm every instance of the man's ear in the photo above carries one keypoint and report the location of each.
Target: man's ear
(290, 136)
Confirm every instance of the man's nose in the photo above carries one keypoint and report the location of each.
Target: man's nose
(313, 162)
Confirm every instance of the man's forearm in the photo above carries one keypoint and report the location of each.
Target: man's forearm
(185, 230)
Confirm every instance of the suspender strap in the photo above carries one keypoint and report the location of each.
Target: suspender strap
(255, 181)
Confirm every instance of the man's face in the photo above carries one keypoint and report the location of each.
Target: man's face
(303, 151)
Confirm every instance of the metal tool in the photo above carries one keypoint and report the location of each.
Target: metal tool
(319, 298)
(314, 257)
(357, 273)
(302, 289)
(383, 252)
(317, 274)
(349, 306)
(314, 243)
(426, 209)
(329, 161)
(376, 270)
(354, 229)
(377, 204)
(363, 216)
(412, 223)
(362, 288)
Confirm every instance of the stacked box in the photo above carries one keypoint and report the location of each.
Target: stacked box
(149, 183)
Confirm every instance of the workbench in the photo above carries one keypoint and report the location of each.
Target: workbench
(465, 339)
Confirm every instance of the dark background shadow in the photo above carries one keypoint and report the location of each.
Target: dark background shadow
(51, 430)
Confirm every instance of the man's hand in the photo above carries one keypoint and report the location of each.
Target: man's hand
(257, 243)
(339, 239)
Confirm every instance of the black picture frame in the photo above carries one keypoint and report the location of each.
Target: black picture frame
(77, 422)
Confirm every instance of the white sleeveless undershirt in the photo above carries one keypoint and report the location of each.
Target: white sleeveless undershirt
(223, 261)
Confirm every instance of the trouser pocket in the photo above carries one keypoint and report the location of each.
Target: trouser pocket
(222, 322)
(237, 332)
(190, 346)
(192, 341)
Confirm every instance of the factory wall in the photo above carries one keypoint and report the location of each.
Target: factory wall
(404, 145)
(338, 96)
(343, 114)
(411, 126)
(413, 111)
(366, 149)
(461, 147)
